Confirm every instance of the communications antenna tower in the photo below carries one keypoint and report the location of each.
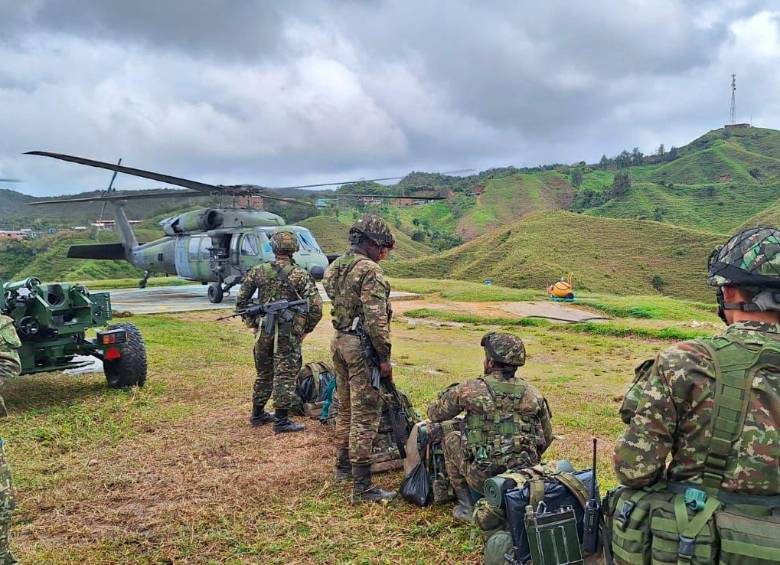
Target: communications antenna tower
(733, 114)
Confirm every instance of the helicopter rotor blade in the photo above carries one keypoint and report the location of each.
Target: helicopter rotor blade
(10, 180)
(390, 197)
(126, 196)
(177, 181)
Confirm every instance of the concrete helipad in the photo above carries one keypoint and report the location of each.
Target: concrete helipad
(155, 300)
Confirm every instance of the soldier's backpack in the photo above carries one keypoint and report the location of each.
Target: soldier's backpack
(311, 388)
(700, 524)
(502, 514)
(395, 424)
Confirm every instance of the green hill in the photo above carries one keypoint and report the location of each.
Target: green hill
(46, 258)
(604, 254)
(720, 181)
(332, 233)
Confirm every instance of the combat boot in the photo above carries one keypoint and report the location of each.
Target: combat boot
(362, 491)
(282, 424)
(260, 416)
(465, 507)
(343, 466)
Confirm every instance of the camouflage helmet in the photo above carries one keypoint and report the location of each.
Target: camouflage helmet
(751, 258)
(374, 228)
(284, 242)
(504, 348)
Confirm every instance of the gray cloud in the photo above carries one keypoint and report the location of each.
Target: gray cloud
(295, 92)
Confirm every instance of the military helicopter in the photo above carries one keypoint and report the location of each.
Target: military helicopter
(215, 246)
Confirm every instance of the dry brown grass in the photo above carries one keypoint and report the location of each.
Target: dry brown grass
(173, 473)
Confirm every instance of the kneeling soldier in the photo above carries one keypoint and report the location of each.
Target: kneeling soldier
(506, 425)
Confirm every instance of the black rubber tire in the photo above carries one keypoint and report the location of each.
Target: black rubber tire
(215, 293)
(130, 369)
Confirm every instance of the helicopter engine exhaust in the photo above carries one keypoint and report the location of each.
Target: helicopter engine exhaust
(201, 220)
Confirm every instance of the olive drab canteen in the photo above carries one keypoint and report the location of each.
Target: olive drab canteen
(375, 229)
(750, 258)
(284, 242)
(504, 348)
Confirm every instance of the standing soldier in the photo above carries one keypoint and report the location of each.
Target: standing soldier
(278, 354)
(714, 404)
(507, 423)
(10, 366)
(361, 304)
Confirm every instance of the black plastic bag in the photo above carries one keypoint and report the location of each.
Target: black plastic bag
(416, 486)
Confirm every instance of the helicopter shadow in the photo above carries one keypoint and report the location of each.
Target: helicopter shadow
(36, 392)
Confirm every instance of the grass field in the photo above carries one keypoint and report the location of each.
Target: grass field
(172, 473)
(627, 257)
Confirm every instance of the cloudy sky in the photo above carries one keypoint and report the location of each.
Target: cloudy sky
(294, 92)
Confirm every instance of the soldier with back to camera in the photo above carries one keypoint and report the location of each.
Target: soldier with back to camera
(278, 353)
(506, 426)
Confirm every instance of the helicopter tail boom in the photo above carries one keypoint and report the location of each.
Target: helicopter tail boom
(103, 251)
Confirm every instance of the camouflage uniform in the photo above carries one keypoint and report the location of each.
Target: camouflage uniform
(360, 295)
(476, 397)
(277, 367)
(358, 289)
(674, 413)
(9, 367)
(671, 405)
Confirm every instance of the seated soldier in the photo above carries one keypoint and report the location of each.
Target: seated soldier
(506, 425)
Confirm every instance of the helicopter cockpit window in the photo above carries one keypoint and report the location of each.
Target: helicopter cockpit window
(306, 242)
(250, 245)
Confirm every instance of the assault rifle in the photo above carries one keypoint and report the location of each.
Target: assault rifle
(281, 309)
(592, 518)
(398, 416)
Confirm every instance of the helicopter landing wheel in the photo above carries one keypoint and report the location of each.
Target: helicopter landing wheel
(215, 293)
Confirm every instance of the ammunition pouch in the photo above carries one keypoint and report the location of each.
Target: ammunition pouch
(680, 524)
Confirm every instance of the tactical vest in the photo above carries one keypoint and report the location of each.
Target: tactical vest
(503, 435)
(689, 524)
(346, 304)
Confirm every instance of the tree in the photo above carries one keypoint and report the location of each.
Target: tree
(604, 162)
(636, 156)
(661, 150)
(576, 178)
(620, 185)
(623, 160)
(673, 154)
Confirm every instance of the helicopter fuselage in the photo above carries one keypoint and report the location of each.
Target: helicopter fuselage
(219, 255)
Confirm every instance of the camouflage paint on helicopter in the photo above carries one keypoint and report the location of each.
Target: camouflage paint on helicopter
(214, 245)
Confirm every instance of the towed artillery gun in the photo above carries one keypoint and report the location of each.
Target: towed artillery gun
(52, 321)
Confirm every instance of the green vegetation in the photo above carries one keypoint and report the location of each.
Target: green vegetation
(594, 328)
(604, 254)
(332, 234)
(172, 472)
(464, 291)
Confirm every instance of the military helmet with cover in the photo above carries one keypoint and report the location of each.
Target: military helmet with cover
(750, 259)
(374, 228)
(504, 348)
(284, 241)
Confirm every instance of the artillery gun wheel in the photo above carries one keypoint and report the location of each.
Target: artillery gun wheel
(215, 293)
(130, 368)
